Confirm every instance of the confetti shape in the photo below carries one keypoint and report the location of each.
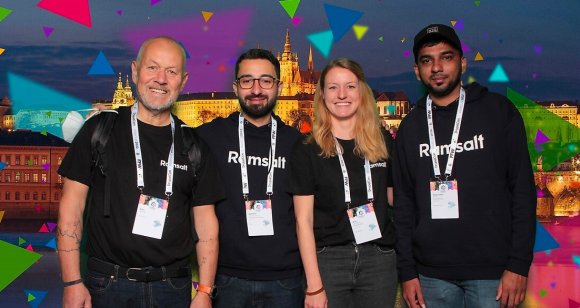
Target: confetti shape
(360, 31)
(35, 297)
(322, 41)
(46, 167)
(406, 53)
(4, 12)
(290, 6)
(296, 20)
(187, 56)
(51, 243)
(538, 49)
(101, 66)
(47, 31)
(43, 229)
(381, 38)
(478, 57)
(477, 3)
(2, 165)
(340, 19)
(21, 241)
(154, 2)
(29, 248)
(1, 215)
(573, 304)
(2, 51)
(403, 40)
(75, 10)
(37, 209)
(51, 226)
(498, 74)
(453, 22)
(206, 15)
(543, 292)
(465, 48)
(458, 25)
(540, 138)
(120, 12)
(576, 260)
(13, 262)
(544, 240)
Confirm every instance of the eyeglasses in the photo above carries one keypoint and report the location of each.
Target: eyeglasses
(265, 82)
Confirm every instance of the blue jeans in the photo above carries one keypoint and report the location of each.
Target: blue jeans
(110, 292)
(358, 275)
(459, 293)
(233, 292)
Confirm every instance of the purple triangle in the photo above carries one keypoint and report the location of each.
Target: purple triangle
(459, 25)
(541, 138)
(153, 2)
(406, 53)
(120, 12)
(51, 226)
(47, 31)
(465, 47)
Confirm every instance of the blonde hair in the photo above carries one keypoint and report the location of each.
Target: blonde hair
(369, 140)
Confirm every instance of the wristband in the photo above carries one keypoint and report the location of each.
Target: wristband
(315, 292)
(211, 291)
(72, 283)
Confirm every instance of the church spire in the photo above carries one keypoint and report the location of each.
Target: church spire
(127, 82)
(287, 54)
(120, 83)
(310, 61)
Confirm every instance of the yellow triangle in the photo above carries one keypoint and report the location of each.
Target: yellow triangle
(206, 15)
(453, 22)
(359, 31)
(470, 80)
(478, 57)
(2, 50)
(1, 215)
(403, 40)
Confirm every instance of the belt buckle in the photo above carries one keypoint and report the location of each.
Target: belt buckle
(132, 268)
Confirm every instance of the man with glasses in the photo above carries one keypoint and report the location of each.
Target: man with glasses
(259, 262)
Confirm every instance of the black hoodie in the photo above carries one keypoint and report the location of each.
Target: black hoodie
(240, 255)
(495, 230)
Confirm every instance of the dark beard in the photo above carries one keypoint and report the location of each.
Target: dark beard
(443, 92)
(256, 112)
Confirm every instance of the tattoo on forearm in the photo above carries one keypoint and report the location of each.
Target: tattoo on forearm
(203, 261)
(71, 233)
(68, 250)
(206, 240)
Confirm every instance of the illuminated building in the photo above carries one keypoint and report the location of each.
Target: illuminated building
(393, 107)
(30, 187)
(293, 79)
(123, 96)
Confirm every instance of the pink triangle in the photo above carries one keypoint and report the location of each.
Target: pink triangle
(153, 2)
(43, 229)
(51, 226)
(47, 31)
(296, 20)
(29, 247)
(37, 208)
(120, 12)
(573, 304)
(541, 138)
(75, 10)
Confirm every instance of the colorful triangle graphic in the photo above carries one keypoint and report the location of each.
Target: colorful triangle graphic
(2, 165)
(478, 57)
(51, 243)
(540, 138)
(101, 66)
(206, 15)
(47, 31)
(14, 261)
(4, 12)
(498, 74)
(360, 31)
(1, 215)
(340, 19)
(322, 41)
(75, 10)
(35, 297)
(43, 229)
(290, 6)
(544, 240)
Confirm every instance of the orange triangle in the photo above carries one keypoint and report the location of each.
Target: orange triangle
(75, 10)
(453, 22)
(478, 57)
(43, 229)
(206, 15)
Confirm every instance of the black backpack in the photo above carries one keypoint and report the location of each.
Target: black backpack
(100, 137)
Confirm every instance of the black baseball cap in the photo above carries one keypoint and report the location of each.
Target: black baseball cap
(434, 32)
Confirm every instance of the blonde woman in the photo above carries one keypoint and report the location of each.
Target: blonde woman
(341, 181)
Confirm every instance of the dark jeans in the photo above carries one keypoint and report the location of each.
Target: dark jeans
(233, 292)
(358, 275)
(459, 293)
(108, 292)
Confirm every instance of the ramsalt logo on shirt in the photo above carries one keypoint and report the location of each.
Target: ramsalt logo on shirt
(176, 166)
(280, 162)
(476, 143)
(379, 165)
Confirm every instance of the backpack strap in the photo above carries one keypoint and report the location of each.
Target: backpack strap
(99, 141)
(191, 148)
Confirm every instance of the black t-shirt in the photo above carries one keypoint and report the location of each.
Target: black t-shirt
(312, 174)
(111, 238)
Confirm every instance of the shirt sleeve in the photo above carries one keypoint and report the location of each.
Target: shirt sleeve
(301, 171)
(77, 163)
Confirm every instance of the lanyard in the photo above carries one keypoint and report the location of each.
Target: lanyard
(139, 157)
(368, 177)
(454, 136)
(244, 162)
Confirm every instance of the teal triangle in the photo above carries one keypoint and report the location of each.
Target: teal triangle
(498, 74)
(290, 6)
(340, 19)
(101, 66)
(2, 165)
(35, 297)
(544, 240)
(51, 244)
(322, 41)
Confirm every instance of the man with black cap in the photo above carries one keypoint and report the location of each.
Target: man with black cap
(464, 188)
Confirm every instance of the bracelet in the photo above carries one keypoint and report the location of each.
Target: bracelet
(72, 283)
(315, 292)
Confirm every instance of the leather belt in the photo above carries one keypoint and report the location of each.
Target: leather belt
(141, 274)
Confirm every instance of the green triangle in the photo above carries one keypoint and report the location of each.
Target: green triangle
(31, 297)
(498, 74)
(14, 261)
(381, 38)
(322, 41)
(4, 12)
(477, 3)
(290, 6)
(21, 241)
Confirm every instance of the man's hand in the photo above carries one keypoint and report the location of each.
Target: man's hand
(76, 296)
(201, 300)
(511, 289)
(316, 301)
(412, 293)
